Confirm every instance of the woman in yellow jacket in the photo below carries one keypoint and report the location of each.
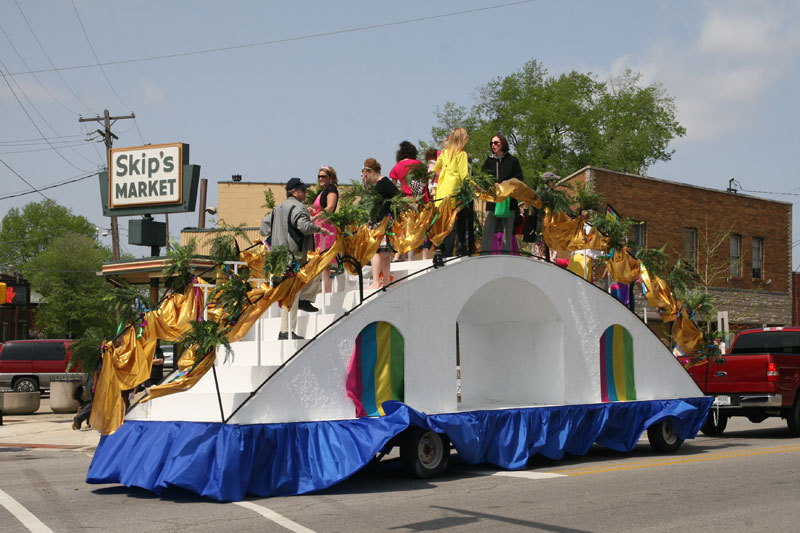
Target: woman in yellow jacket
(454, 166)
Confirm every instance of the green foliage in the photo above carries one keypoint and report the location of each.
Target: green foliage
(87, 351)
(466, 192)
(231, 296)
(554, 198)
(279, 262)
(585, 198)
(311, 194)
(680, 280)
(65, 275)
(28, 232)
(269, 200)
(616, 230)
(122, 303)
(419, 172)
(224, 246)
(179, 270)
(654, 260)
(206, 336)
(701, 304)
(563, 123)
(482, 181)
(348, 216)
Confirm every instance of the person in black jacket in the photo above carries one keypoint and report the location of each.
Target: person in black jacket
(371, 177)
(503, 166)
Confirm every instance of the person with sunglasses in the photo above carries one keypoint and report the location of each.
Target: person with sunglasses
(498, 231)
(326, 201)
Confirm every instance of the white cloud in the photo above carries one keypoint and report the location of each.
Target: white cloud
(150, 93)
(721, 77)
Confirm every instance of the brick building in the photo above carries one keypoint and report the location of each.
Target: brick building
(740, 245)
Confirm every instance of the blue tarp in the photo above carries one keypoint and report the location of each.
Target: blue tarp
(227, 461)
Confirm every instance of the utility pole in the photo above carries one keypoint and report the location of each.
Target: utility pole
(108, 136)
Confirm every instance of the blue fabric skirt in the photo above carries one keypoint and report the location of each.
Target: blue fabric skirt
(227, 461)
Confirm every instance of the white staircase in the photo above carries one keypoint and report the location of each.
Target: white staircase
(259, 354)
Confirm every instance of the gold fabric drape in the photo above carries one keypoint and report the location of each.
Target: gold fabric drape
(409, 229)
(566, 234)
(363, 244)
(623, 267)
(316, 264)
(127, 363)
(443, 221)
(515, 189)
(685, 333)
(659, 295)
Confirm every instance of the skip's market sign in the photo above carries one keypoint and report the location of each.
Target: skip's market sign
(149, 179)
(146, 175)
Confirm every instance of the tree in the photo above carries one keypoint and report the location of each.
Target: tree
(26, 233)
(563, 123)
(73, 294)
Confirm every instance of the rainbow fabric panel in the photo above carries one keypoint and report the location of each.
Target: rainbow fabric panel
(376, 369)
(616, 365)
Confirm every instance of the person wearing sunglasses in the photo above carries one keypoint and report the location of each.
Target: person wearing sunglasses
(498, 229)
(371, 177)
(325, 202)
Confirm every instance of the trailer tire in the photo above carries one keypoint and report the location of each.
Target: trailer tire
(663, 438)
(715, 423)
(424, 453)
(793, 417)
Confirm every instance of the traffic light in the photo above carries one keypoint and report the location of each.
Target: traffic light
(3, 293)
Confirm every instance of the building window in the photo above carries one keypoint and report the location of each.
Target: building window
(758, 258)
(736, 256)
(690, 247)
(638, 236)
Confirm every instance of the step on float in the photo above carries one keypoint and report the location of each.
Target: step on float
(501, 357)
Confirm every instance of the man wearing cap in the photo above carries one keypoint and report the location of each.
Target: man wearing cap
(290, 224)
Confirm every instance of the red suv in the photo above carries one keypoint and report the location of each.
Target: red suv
(28, 365)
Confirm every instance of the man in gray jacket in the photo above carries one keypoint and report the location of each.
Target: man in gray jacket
(290, 224)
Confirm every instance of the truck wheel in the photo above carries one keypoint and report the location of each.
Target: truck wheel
(425, 453)
(663, 438)
(26, 385)
(715, 423)
(793, 418)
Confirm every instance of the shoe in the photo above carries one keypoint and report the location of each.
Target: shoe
(283, 335)
(307, 306)
(75, 427)
(296, 336)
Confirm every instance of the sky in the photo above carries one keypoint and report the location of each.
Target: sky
(293, 85)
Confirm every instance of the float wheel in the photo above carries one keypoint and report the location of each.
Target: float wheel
(424, 453)
(663, 438)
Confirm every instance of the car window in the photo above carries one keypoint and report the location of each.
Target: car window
(776, 342)
(16, 351)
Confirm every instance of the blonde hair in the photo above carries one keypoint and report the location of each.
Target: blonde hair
(457, 140)
(331, 173)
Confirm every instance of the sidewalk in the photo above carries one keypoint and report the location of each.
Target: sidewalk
(47, 430)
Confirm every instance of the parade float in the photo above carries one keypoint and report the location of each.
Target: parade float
(499, 357)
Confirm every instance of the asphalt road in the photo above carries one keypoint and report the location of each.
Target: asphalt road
(746, 480)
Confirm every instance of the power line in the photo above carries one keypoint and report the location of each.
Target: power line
(39, 140)
(39, 149)
(765, 192)
(42, 85)
(41, 47)
(32, 191)
(30, 118)
(97, 60)
(23, 179)
(286, 40)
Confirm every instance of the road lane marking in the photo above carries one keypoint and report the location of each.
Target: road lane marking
(23, 515)
(275, 517)
(711, 457)
(527, 474)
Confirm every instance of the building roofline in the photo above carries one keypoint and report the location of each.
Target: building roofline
(659, 180)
